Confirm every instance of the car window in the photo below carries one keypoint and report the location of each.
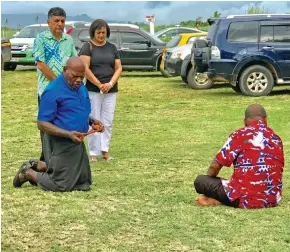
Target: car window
(113, 38)
(276, 34)
(31, 31)
(132, 38)
(173, 42)
(161, 31)
(267, 34)
(282, 33)
(170, 33)
(243, 32)
(155, 39)
(188, 31)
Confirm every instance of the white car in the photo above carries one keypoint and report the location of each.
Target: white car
(22, 43)
(173, 31)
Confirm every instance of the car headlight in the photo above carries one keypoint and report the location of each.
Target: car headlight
(176, 55)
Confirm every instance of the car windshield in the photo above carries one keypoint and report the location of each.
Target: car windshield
(173, 42)
(154, 38)
(31, 31)
(161, 31)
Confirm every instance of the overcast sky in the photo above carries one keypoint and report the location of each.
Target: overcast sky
(166, 12)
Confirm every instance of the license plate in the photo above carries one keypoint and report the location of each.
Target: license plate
(14, 59)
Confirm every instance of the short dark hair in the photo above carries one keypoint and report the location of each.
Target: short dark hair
(56, 11)
(98, 24)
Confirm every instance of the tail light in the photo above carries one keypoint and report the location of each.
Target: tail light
(215, 53)
(69, 31)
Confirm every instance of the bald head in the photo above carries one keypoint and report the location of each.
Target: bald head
(255, 112)
(76, 64)
(74, 71)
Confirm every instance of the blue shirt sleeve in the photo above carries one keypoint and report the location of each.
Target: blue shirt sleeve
(48, 106)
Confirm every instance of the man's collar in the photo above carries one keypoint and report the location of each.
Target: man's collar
(49, 35)
(257, 122)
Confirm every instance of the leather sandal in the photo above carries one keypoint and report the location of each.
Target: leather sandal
(22, 170)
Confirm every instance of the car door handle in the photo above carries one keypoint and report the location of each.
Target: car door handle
(268, 48)
(124, 48)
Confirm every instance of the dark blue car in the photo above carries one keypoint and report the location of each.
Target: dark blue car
(251, 52)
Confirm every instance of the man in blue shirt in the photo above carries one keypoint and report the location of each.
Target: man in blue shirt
(64, 118)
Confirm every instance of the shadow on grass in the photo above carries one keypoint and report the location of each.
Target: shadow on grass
(280, 92)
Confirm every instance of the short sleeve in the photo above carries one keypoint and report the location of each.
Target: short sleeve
(38, 49)
(229, 151)
(85, 50)
(47, 107)
(116, 53)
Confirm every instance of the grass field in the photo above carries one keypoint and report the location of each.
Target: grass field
(164, 135)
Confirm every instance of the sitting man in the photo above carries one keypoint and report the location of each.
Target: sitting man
(257, 155)
(64, 118)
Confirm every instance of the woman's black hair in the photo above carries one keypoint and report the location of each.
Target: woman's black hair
(97, 25)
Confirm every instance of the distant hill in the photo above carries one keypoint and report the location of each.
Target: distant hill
(16, 21)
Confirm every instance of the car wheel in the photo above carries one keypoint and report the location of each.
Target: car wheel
(256, 81)
(9, 66)
(198, 80)
(184, 79)
(165, 73)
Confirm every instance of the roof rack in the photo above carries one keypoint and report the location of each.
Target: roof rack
(258, 15)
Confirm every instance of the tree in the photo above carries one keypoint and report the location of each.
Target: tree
(6, 27)
(252, 9)
(36, 19)
(216, 14)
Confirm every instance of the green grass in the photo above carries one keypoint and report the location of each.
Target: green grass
(164, 135)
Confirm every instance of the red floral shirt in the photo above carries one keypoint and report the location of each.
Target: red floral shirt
(257, 155)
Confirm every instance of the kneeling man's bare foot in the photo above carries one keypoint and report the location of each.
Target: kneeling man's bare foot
(203, 200)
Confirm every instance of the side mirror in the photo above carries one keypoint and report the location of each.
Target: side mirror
(148, 43)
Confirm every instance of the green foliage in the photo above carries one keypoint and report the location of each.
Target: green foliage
(164, 135)
(7, 32)
(255, 9)
(216, 14)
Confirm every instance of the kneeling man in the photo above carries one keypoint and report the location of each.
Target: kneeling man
(256, 153)
(64, 118)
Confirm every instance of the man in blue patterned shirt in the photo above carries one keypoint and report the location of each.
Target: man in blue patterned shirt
(51, 49)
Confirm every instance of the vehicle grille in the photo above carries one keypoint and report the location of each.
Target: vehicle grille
(18, 55)
(16, 50)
